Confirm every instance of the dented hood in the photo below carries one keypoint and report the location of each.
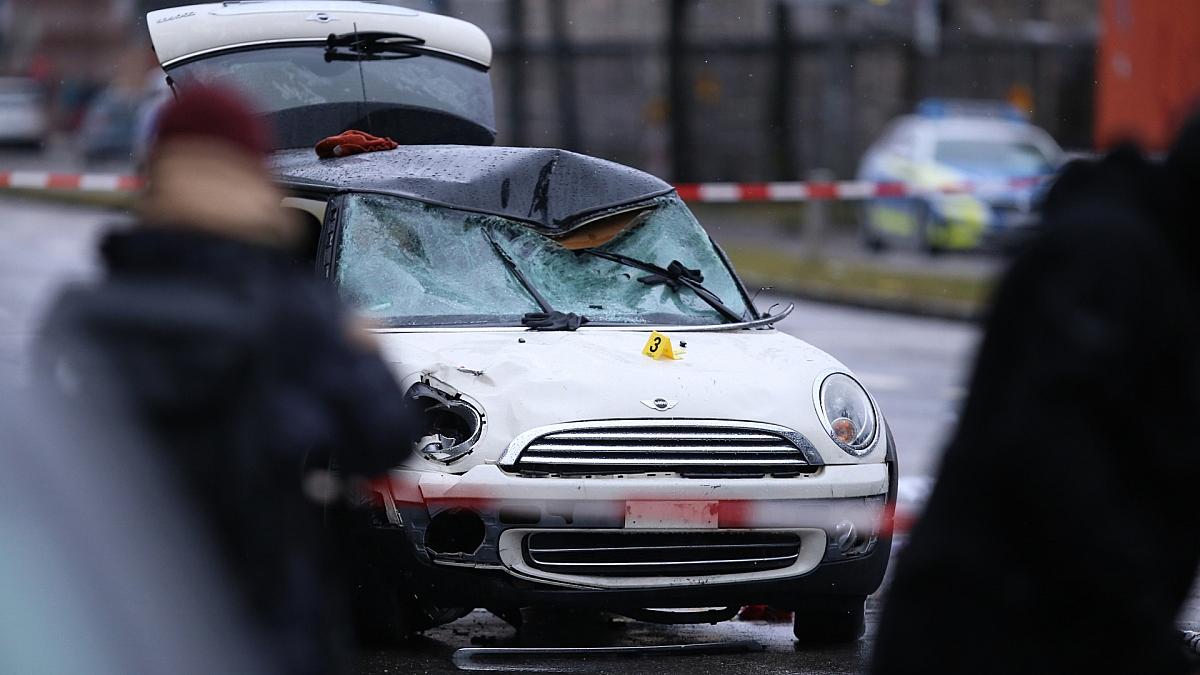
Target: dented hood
(525, 380)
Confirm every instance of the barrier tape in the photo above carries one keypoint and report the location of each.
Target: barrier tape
(840, 190)
(73, 182)
(693, 192)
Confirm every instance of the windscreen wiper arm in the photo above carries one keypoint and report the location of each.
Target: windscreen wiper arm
(674, 276)
(549, 318)
(371, 46)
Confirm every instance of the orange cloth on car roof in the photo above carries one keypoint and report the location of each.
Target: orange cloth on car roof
(353, 142)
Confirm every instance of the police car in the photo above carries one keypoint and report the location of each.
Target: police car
(609, 420)
(973, 170)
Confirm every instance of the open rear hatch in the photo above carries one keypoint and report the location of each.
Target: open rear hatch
(316, 69)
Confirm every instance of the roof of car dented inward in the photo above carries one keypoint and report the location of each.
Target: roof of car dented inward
(550, 190)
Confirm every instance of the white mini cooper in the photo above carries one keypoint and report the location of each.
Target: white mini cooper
(609, 420)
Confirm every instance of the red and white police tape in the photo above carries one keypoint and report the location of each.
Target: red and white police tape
(787, 191)
(70, 182)
(839, 190)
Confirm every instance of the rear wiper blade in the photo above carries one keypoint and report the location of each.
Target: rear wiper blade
(548, 319)
(371, 46)
(673, 276)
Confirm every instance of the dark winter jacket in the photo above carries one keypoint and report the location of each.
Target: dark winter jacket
(236, 361)
(1064, 531)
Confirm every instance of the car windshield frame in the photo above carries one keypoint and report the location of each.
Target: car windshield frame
(503, 287)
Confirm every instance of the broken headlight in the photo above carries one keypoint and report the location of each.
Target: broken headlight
(450, 424)
(848, 414)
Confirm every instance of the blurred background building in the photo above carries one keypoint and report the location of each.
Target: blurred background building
(690, 89)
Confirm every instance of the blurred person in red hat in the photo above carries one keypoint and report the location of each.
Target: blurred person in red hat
(241, 366)
(206, 172)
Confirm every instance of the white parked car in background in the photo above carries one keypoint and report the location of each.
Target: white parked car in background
(608, 420)
(23, 113)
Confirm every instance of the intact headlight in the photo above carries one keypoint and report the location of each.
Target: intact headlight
(848, 414)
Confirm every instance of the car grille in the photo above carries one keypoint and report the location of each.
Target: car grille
(655, 554)
(699, 448)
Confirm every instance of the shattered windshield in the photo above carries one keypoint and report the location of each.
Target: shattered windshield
(406, 263)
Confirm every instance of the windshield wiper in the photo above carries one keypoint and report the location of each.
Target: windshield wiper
(549, 318)
(371, 46)
(672, 276)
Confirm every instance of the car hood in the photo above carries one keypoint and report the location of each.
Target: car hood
(526, 379)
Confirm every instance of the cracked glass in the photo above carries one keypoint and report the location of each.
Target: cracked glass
(406, 263)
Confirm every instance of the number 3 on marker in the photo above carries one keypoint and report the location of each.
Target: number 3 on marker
(659, 347)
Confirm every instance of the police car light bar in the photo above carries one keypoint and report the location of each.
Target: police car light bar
(942, 108)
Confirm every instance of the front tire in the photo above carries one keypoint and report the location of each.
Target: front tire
(927, 223)
(836, 623)
(871, 238)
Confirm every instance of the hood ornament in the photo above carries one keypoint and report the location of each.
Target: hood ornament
(659, 404)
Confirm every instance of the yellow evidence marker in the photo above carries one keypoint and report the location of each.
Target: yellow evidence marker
(659, 347)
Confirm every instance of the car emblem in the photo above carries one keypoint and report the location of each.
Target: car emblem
(659, 404)
(321, 17)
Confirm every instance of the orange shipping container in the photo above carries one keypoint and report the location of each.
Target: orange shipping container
(1148, 67)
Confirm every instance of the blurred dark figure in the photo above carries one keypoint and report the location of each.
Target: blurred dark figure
(1062, 535)
(102, 571)
(240, 365)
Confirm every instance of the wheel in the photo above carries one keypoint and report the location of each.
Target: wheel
(381, 619)
(387, 615)
(926, 223)
(385, 608)
(874, 242)
(838, 622)
(871, 239)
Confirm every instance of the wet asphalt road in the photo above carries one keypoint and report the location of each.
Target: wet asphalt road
(914, 366)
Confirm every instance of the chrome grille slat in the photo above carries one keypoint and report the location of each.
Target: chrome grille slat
(681, 563)
(688, 447)
(627, 549)
(663, 435)
(653, 461)
(624, 553)
(646, 449)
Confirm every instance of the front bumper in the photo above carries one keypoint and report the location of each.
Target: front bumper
(815, 508)
(451, 586)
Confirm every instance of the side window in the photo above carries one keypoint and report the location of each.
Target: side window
(307, 216)
(903, 142)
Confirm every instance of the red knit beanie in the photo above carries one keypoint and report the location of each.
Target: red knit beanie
(219, 113)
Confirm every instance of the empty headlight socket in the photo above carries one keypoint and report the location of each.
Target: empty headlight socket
(455, 532)
(451, 424)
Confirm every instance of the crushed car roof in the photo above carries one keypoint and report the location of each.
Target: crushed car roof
(552, 191)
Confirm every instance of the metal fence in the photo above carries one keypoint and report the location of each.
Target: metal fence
(750, 90)
(696, 105)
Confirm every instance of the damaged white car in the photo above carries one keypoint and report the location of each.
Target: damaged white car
(609, 420)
